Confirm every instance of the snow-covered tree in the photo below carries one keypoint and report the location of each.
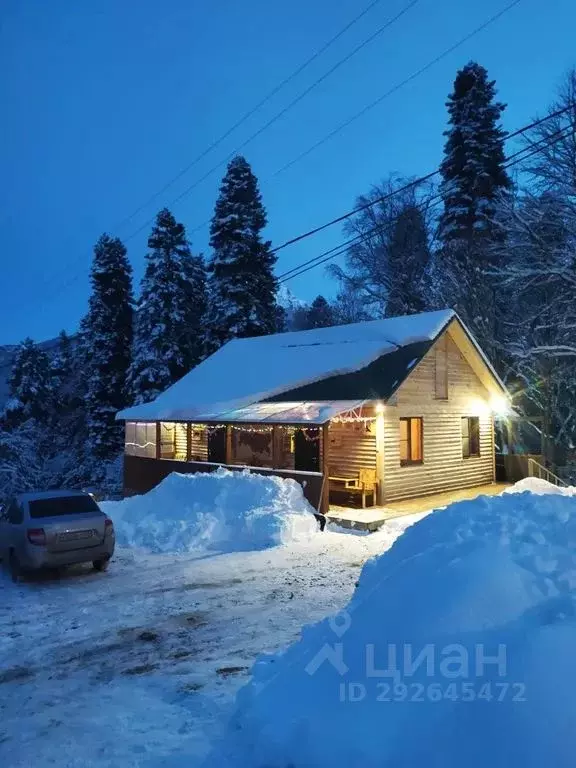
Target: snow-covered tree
(473, 181)
(348, 307)
(242, 287)
(169, 337)
(552, 168)
(408, 260)
(540, 276)
(29, 386)
(22, 460)
(320, 314)
(108, 341)
(385, 268)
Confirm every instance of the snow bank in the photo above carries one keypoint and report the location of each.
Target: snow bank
(457, 649)
(536, 485)
(223, 511)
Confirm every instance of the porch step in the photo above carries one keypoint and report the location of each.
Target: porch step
(361, 519)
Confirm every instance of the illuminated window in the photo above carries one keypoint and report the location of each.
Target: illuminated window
(441, 369)
(173, 440)
(411, 441)
(470, 436)
(140, 439)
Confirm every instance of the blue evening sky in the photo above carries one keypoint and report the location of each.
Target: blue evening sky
(104, 101)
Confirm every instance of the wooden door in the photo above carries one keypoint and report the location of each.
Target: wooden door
(307, 450)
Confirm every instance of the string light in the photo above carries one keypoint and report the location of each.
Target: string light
(352, 419)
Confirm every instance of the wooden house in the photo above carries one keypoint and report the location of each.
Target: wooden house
(366, 413)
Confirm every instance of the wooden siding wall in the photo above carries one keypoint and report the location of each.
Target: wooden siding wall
(180, 441)
(443, 468)
(352, 448)
(198, 443)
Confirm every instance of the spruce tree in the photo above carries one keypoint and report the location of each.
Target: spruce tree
(242, 287)
(107, 340)
(29, 386)
(473, 180)
(320, 314)
(169, 337)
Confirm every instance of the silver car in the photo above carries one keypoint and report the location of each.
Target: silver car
(50, 529)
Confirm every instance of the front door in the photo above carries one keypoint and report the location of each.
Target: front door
(217, 445)
(307, 450)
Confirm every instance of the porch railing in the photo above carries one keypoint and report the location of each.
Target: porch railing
(537, 470)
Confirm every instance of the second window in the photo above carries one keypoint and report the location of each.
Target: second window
(411, 441)
(470, 436)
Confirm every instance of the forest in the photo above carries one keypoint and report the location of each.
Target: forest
(491, 233)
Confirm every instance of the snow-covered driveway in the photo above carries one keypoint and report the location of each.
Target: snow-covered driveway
(139, 666)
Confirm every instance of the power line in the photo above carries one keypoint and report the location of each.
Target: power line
(252, 111)
(366, 109)
(407, 186)
(378, 101)
(396, 88)
(343, 248)
(279, 115)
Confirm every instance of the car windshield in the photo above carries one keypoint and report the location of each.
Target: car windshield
(62, 505)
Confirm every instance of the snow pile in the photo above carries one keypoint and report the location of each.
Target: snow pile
(220, 511)
(536, 485)
(457, 649)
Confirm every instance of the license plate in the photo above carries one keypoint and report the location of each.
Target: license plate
(75, 535)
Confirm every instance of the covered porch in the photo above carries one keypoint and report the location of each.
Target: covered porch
(330, 448)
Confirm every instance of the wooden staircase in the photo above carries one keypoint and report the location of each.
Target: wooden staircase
(535, 469)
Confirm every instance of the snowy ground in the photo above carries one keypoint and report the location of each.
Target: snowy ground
(139, 666)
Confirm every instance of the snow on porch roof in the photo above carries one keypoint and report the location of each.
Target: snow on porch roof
(247, 371)
(285, 413)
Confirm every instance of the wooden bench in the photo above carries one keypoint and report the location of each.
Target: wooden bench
(364, 483)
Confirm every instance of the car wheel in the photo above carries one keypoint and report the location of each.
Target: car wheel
(101, 565)
(15, 568)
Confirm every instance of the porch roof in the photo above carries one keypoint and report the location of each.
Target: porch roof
(283, 413)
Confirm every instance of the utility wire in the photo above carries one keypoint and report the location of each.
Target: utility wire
(252, 111)
(379, 100)
(397, 87)
(283, 111)
(332, 253)
(343, 248)
(407, 186)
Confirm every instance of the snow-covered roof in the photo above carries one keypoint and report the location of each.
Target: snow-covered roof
(247, 371)
(311, 412)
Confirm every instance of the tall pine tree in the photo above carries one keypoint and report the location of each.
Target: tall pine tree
(169, 338)
(242, 287)
(473, 179)
(107, 342)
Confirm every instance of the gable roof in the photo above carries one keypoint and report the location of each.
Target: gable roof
(266, 368)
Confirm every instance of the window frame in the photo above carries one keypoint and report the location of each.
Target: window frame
(472, 436)
(410, 462)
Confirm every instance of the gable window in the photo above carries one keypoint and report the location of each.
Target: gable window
(411, 441)
(441, 369)
(470, 436)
